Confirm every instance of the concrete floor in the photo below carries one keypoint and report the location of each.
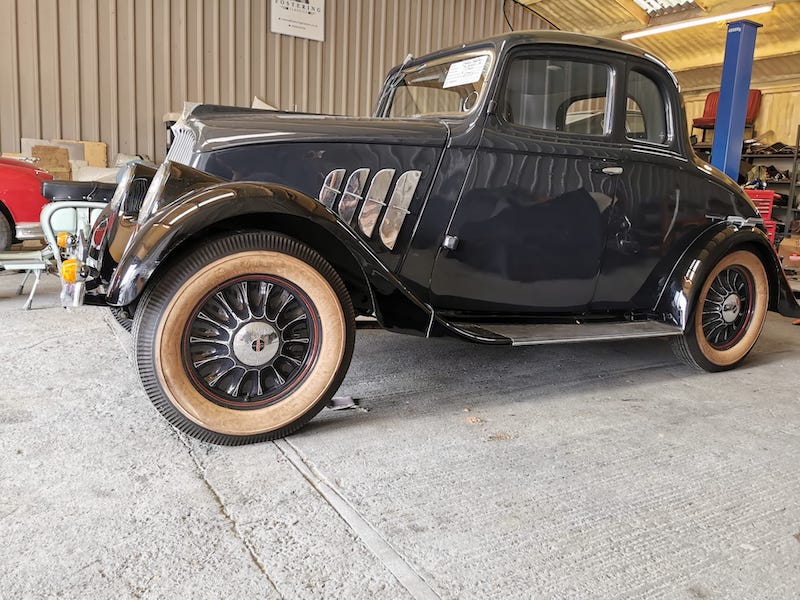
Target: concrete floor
(587, 471)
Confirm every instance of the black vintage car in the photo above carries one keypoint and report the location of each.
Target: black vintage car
(532, 188)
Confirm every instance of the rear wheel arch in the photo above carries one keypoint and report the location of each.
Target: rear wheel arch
(764, 254)
(723, 244)
(728, 311)
(682, 287)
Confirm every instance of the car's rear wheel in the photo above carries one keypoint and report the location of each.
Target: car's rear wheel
(728, 316)
(245, 339)
(6, 233)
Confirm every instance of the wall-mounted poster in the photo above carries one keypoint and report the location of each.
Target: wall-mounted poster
(300, 18)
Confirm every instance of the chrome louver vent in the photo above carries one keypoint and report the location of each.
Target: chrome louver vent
(352, 194)
(182, 144)
(373, 203)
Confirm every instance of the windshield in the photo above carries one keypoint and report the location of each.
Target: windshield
(451, 86)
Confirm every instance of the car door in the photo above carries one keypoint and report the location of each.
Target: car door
(659, 198)
(528, 232)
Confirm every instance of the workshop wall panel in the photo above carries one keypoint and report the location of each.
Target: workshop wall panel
(108, 70)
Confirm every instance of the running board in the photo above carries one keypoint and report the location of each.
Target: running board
(563, 333)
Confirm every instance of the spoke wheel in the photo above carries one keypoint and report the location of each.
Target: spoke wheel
(245, 338)
(728, 315)
(728, 307)
(251, 341)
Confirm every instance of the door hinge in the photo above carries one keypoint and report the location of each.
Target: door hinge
(450, 242)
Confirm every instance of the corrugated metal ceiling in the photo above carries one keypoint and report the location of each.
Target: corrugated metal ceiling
(688, 49)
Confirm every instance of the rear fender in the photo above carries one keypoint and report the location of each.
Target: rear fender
(679, 295)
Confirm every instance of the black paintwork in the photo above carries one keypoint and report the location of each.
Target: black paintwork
(78, 190)
(541, 230)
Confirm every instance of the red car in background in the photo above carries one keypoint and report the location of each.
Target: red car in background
(21, 201)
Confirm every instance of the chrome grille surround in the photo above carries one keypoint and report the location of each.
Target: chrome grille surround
(183, 143)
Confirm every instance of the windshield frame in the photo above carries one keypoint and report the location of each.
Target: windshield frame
(396, 78)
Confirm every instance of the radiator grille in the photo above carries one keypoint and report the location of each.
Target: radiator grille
(132, 203)
(182, 145)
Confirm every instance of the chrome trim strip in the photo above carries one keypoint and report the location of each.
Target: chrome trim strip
(398, 207)
(352, 194)
(375, 200)
(740, 222)
(32, 230)
(331, 188)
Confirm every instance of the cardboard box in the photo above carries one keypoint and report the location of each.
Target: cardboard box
(789, 253)
(94, 153)
(74, 149)
(54, 160)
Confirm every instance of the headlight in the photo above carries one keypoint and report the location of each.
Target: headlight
(154, 192)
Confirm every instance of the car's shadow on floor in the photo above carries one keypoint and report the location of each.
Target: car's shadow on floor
(395, 373)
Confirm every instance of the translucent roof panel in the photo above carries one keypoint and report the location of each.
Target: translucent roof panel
(661, 7)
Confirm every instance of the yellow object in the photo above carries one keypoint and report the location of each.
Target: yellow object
(62, 238)
(69, 270)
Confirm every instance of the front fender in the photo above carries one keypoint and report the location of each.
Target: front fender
(679, 295)
(245, 203)
(168, 228)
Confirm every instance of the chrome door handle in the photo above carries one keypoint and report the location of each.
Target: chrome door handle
(611, 170)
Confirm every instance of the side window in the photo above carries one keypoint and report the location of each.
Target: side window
(645, 110)
(558, 95)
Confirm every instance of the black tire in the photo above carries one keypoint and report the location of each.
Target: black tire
(728, 316)
(244, 339)
(6, 233)
(125, 322)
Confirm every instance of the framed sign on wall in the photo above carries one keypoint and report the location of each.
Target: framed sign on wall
(299, 18)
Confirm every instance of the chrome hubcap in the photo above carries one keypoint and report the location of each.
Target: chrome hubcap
(256, 344)
(727, 307)
(250, 341)
(731, 307)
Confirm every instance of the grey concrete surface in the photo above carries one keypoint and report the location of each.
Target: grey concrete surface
(584, 471)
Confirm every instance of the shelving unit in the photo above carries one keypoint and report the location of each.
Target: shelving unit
(788, 186)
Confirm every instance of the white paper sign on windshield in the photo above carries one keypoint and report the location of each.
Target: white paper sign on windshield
(465, 72)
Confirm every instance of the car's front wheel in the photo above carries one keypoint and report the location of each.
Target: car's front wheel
(121, 317)
(245, 339)
(728, 316)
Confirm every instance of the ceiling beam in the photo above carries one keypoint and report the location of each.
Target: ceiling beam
(634, 10)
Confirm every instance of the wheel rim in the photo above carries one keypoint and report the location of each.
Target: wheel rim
(728, 307)
(250, 341)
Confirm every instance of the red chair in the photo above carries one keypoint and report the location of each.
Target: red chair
(709, 118)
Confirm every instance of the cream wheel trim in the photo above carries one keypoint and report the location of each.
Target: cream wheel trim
(759, 297)
(330, 351)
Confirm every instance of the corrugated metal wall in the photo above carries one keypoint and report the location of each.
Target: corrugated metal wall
(107, 70)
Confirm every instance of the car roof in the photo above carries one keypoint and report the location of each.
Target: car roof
(506, 41)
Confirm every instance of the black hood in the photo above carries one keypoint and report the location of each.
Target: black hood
(219, 127)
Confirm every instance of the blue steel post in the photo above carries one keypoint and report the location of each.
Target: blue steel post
(726, 152)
